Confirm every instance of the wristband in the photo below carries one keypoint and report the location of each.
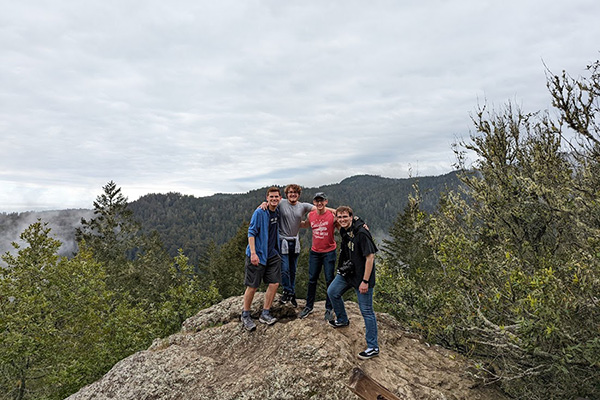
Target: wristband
(365, 281)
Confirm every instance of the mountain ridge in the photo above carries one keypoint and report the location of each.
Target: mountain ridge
(194, 224)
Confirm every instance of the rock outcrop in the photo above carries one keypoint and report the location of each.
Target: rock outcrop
(214, 358)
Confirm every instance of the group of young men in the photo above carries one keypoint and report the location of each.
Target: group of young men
(272, 257)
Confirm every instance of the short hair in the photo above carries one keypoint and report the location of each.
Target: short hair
(342, 209)
(294, 187)
(273, 189)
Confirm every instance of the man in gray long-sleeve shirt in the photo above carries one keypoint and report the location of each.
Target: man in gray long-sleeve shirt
(291, 213)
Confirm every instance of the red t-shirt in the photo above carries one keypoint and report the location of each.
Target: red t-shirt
(323, 227)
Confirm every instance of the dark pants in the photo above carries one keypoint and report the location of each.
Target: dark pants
(316, 262)
(289, 262)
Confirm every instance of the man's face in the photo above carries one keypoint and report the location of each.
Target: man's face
(273, 199)
(344, 219)
(320, 203)
(292, 196)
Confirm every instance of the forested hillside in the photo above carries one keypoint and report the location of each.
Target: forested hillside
(193, 223)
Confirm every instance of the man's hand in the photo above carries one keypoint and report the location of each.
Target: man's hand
(254, 259)
(363, 288)
(263, 205)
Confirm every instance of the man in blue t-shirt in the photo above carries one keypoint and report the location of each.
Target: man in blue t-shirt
(263, 260)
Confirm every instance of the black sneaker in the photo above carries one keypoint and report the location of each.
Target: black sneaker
(368, 353)
(292, 299)
(337, 324)
(304, 313)
(328, 315)
(284, 298)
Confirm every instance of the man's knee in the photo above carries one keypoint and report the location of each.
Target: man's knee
(333, 294)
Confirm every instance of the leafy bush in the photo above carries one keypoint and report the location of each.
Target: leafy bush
(508, 271)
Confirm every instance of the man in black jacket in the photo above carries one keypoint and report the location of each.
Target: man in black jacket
(357, 264)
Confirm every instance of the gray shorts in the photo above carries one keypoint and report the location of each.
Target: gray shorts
(270, 273)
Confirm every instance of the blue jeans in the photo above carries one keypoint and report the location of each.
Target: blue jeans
(289, 262)
(316, 262)
(336, 290)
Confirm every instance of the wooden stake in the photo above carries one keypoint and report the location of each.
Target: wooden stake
(368, 389)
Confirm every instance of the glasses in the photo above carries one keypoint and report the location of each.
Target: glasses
(343, 216)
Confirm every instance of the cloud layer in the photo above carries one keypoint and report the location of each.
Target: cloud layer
(202, 97)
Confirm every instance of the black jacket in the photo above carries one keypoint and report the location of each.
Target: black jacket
(357, 244)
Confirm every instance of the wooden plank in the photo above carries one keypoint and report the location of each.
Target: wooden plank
(367, 388)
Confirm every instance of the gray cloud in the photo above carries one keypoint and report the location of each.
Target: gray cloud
(204, 97)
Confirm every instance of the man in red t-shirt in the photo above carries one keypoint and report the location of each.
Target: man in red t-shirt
(322, 221)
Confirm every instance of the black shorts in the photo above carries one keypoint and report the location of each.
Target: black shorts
(270, 273)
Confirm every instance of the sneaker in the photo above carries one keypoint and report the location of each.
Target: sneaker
(248, 323)
(292, 298)
(284, 298)
(337, 324)
(267, 319)
(328, 315)
(368, 353)
(304, 313)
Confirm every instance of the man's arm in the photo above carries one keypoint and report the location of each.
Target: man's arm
(252, 244)
(364, 287)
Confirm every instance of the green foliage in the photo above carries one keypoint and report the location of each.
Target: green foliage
(226, 266)
(408, 276)
(50, 319)
(65, 321)
(189, 292)
(508, 272)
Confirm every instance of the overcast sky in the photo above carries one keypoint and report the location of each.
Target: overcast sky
(200, 97)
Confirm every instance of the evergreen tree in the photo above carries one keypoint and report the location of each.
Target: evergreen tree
(136, 263)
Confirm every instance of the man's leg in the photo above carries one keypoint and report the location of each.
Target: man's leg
(252, 278)
(365, 303)
(293, 264)
(335, 292)
(329, 270)
(246, 319)
(285, 273)
(248, 297)
(272, 277)
(314, 270)
(270, 295)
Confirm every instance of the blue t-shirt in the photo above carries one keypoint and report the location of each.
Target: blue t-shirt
(273, 227)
